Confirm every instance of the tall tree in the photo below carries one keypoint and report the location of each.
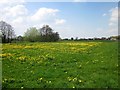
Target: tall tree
(31, 34)
(46, 30)
(48, 35)
(7, 32)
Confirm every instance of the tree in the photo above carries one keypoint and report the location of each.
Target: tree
(44, 34)
(47, 34)
(72, 38)
(32, 34)
(19, 38)
(46, 30)
(6, 31)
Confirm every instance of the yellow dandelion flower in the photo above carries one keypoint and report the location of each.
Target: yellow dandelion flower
(73, 87)
(80, 81)
(21, 87)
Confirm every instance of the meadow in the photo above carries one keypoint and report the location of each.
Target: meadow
(68, 64)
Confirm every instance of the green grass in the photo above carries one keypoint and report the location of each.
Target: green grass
(60, 65)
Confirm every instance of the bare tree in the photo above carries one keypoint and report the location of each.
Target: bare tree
(7, 32)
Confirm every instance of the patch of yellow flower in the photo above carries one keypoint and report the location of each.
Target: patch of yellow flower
(5, 54)
(72, 47)
(21, 58)
(74, 79)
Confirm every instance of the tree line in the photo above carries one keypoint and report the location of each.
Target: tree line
(44, 34)
(113, 38)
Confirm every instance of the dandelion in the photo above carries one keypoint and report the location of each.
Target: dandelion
(31, 71)
(40, 79)
(74, 79)
(5, 79)
(80, 66)
(80, 81)
(49, 82)
(28, 47)
(21, 87)
(21, 58)
(6, 55)
(69, 79)
(73, 87)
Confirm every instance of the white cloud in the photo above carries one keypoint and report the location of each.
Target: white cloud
(44, 13)
(15, 13)
(104, 14)
(18, 20)
(60, 21)
(113, 21)
(114, 15)
(111, 24)
(6, 3)
(11, 1)
(112, 28)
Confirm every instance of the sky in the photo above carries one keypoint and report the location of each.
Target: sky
(76, 18)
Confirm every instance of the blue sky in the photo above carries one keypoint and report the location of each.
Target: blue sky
(81, 17)
(70, 19)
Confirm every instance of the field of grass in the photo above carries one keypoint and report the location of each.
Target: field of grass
(60, 65)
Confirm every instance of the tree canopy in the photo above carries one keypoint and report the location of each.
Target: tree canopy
(31, 34)
(44, 34)
(6, 32)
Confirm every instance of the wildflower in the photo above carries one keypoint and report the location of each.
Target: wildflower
(74, 79)
(49, 82)
(21, 87)
(5, 79)
(31, 71)
(22, 58)
(69, 79)
(80, 66)
(28, 47)
(80, 81)
(6, 54)
(40, 79)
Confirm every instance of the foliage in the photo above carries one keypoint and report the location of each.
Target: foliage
(60, 65)
(44, 34)
(31, 34)
(6, 32)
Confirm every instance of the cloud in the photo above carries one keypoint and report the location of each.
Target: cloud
(112, 28)
(15, 11)
(7, 3)
(60, 21)
(114, 15)
(113, 21)
(44, 13)
(11, 1)
(104, 14)
(20, 17)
